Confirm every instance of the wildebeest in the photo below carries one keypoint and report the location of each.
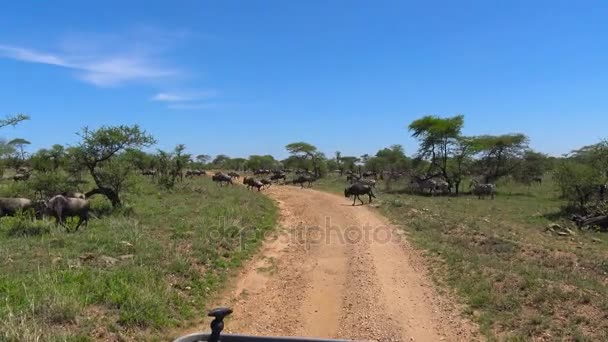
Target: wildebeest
(61, 207)
(538, 180)
(234, 175)
(278, 176)
(253, 183)
(74, 194)
(151, 173)
(192, 173)
(482, 190)
(358, 189)
(368, 174)
(261, 172)
(370, 182)
(10, 206)
(266, 182)
(304, 179)
(21, 177)
(222, 178)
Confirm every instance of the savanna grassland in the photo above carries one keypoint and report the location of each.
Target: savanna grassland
(135, 272)
(518, 280)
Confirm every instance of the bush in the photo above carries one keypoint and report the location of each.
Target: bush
(48, 184)
(23, 224)
(17, 189)
(579, 183)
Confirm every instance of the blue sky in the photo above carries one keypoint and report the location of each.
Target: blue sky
(249, 77)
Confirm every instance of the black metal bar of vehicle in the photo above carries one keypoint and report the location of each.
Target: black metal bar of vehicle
(217, 326)
(201, 337)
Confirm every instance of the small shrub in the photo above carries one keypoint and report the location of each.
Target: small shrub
(48, 184)
(578, 183)
(23, 224)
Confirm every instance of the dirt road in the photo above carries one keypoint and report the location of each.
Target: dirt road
(338, 271)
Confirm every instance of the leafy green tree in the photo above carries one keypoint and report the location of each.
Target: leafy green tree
(349, 163)
(141, 160)
(297, 162)
(97, 152)
(578, 182)
(461, 160)
(595, 155)
(266, 162)
(203, 158)
(6, 149)
(531, 165)
(219, 160)
(237, 164)
(20, 144)
(46, 184)
(392, 158)
(500, 154)
(307, 151)
(438, 137)
(41, 161)
(12, 120)
(180, 161)
(338, 160)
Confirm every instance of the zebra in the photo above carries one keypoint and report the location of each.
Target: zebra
(434, 186)
(482, 190)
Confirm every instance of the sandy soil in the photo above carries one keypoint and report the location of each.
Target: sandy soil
(337, 271)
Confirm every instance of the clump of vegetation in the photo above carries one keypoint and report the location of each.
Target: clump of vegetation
(581, 176)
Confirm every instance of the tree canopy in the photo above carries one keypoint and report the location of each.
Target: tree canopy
(97, 150)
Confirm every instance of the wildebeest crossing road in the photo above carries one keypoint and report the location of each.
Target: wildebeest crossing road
(338, 271)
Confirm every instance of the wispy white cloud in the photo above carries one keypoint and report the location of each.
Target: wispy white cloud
(95, 63)
(184, 96)
(191, 106)
(138, 55)
(31, 56)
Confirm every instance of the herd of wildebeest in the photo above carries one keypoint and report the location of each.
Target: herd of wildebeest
(359, 184)
(74, 204)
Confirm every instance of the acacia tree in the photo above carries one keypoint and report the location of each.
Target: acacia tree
(12, 120)
(307, 151)
(460, 163)
(438, 138)
(338, 159)
(349, 163)
(256, 162)
(499, 154)
(219, 160)
(19, 144)
(6, 149)
(203, 158)
(97, 153)
(531, 165)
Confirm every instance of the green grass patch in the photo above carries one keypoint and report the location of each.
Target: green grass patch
(135, 273)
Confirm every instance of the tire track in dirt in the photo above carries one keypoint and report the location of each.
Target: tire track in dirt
(337, 271)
